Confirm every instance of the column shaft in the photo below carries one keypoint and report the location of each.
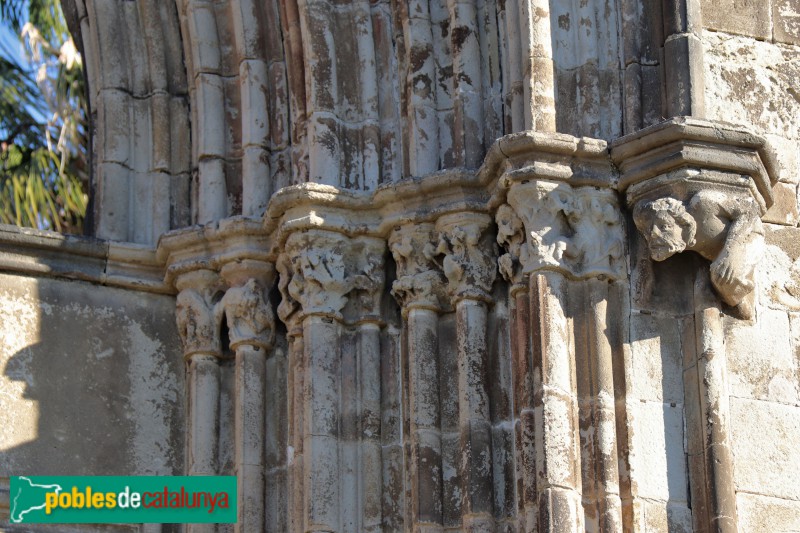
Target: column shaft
(527, 500)
(250, 416)
(474, 416)
(321, 338)
(607, 467)
(425, 458)
(556, 409)
(203, 422)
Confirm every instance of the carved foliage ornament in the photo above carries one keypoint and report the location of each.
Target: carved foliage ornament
(550, 225)
(419, 280)
(468, 257)
(320, 269)
(723, 227)
(197, 322)
(249, 315)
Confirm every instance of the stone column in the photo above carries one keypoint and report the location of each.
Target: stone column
(419, 290)
(555, 233)
(470, 267)
(288, 312)
(199, 330)
(511, 235)
(251, 330)
(315, 290)
(708, 412)
(369, 285)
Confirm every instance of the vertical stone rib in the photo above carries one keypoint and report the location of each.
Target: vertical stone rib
(512, 75)
(420, 83)
(712, 382)
(371, 468)
(556, 411)
(605, 456)
(365, 173)
(325, 157)
(538, 76)
(254, 115)
(295, 68)
(425, 468)
(468, 149)
(524, 427)
(388, 87)
(208, 110)
(490, 44)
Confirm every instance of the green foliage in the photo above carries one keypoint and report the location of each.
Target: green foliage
(43, 132)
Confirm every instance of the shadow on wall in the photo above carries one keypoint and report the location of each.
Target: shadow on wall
(91, 383)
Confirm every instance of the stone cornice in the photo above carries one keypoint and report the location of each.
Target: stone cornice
(212, 246)
(649, 158)
(46, 253)
(589, 172)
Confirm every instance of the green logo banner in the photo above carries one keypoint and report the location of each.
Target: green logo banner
(122, 499)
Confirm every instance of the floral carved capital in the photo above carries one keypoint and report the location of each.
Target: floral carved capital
(420, 282)
(469, 255)
(548, 225)
(198, 324)
(249, 316)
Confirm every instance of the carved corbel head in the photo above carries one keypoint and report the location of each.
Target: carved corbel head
(666, 226)
(701, 186)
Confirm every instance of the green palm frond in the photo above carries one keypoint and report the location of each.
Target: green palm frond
(43, 132)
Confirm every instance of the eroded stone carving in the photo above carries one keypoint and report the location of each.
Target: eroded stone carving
(314, 276)
(369, 282)
(511, 236)
(249, 315)
(722, 227)
(198, 324)
(419, 280)
(550, 225)
(324, 273)
(468, 255)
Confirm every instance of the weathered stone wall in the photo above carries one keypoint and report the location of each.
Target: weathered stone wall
(90, 381)
(431, 287)
(751, 69)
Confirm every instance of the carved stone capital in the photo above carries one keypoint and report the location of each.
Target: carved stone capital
(549, 225)
(245, 305)
(198, 324)
(420, 282)
(319, 269)
(316, 273)
(469, 256)
(366, 261)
